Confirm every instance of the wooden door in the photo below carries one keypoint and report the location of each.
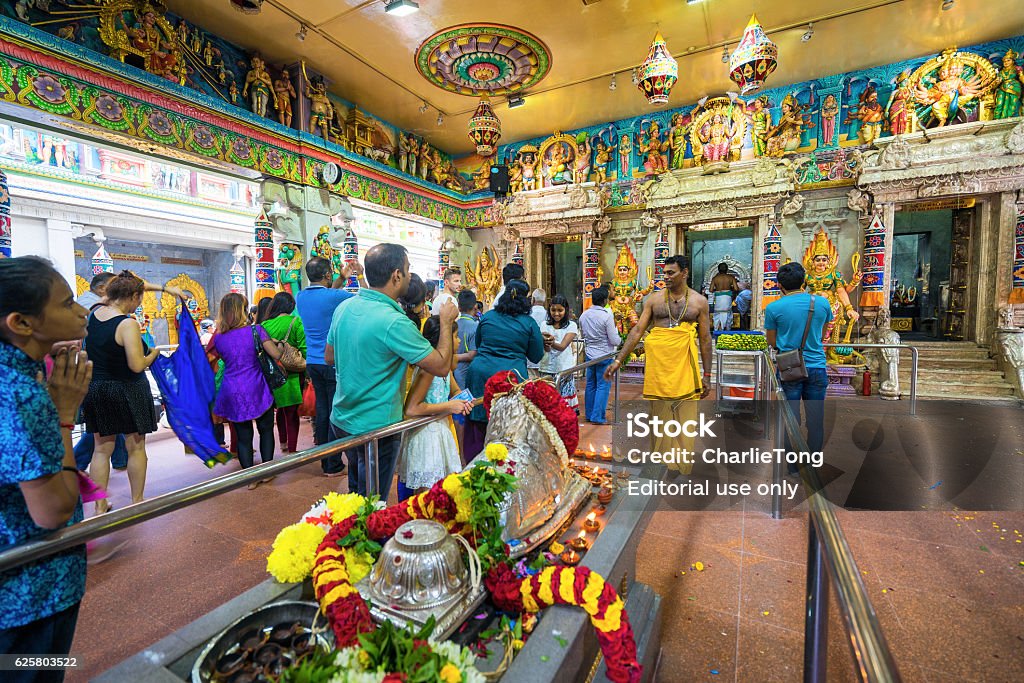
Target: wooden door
(955, 325)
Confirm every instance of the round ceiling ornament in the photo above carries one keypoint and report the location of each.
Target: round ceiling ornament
(483, 59)
(658, 73)
(754, 60)
(485, 129)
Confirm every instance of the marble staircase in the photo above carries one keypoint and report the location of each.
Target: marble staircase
(955, 371)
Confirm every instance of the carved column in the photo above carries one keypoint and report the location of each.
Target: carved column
(1016, 251)
(263, 237)
(763, 236)
(5, 217)
(887, 212)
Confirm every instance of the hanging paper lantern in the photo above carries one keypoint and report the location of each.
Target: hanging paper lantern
(237, 278)
(754, 60)
(658, 73)
(485, 129)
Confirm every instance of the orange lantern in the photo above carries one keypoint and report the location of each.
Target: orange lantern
(754, 60)
(658, 73)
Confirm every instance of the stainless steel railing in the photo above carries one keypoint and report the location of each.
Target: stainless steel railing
(104, 524)
(828, 551)
(583, 366)
(913, 365)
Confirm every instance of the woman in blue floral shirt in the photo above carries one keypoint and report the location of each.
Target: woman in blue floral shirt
(38, 478)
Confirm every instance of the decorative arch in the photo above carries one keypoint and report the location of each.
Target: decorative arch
(198, 304)
(741, 272)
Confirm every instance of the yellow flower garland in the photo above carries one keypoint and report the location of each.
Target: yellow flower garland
(294, 551)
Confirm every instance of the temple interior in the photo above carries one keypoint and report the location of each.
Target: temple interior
(663, 165)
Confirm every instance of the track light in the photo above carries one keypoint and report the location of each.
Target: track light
(613, 85)
(516, 101)
(808, 34)
(947, 4)
(440, 118)
(424, 107)
(725, 54)
(401, 8)
(692, 2)
(301, 35)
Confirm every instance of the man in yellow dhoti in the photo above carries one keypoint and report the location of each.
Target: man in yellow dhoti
(676, 318)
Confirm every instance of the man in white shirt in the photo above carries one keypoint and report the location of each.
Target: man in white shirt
(539, 312)
(452, 287)
(597, 325)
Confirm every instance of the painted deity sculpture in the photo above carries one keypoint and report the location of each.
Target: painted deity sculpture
(626, 292)
(321, 111)
(785, 135)
(558, 166)
(829, 112)
(625, 150)
(284, 93)
(716, 138)
(289, 268)
(652, 149)
(1008, 94)
(945, 94)
(485, 278)
(601, 158)
(760, 124)
(821, 263)
(527, 161)
(515, 177)
(153, 39)
(403, 153)
(677, 141)
(262, 87)
(870, 114)
(581, 169)
(898, 113)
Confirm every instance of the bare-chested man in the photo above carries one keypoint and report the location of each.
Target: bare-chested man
(724, 288)
(675, 317)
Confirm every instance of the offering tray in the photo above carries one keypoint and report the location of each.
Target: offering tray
(263, 620)
(575, 492)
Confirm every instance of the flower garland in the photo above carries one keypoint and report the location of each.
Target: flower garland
(545, 397)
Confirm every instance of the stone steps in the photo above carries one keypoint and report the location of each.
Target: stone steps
(946, 395)
(953, 375)
(966, 365)
(956, 390)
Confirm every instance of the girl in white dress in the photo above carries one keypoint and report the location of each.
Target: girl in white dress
(562, 331)
(431, 453)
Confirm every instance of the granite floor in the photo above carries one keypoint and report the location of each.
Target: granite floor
(948, 586)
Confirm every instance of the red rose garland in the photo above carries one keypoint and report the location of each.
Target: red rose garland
(547, 399)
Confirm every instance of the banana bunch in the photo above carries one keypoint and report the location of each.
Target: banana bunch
(742, 342)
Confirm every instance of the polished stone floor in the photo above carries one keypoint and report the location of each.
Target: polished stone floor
(948, 585)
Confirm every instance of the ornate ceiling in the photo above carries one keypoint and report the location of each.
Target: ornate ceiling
(375, 59)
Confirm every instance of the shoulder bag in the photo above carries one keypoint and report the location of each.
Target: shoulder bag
(291, 357)
(271, 369)
(790, 364)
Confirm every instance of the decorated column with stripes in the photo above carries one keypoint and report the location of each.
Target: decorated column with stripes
(1017, 292)
(591, 269)
(101, 261)
(5, 217)
(266, 285)
(518, 257)
(443, 261)
(660, 256)
(873, 266)
(771, 259)
(350, 252)
(237, 278)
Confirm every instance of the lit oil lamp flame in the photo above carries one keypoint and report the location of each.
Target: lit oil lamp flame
(582, 534)
(590, 518)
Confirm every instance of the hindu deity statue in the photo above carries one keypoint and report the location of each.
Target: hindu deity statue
(677, 141)
(945, 94)
(321, 111)
(485, 278)
(784, 136)
(233, 92)
(403, 152)
(652, 149)
(820, 261)
(527, 161)
(898, 112)
(208, 53)
(482, 177)
(284, 91)
(557, 166)
(625, 149)
(581, 169)
(716, 138)
(153, 39)
(289, 268)
(414, 153)
(626, 292)
(601, 158)
(1008, 94)
(424, 160)
(829, 112)
(515, 177)
(760, 124)
(870, 114)
(262, 87)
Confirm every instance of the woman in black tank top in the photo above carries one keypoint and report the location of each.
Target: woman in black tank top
(119, 399)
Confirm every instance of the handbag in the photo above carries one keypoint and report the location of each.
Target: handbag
(790, 364)
(291, 357)
(308, 406)
(271, 369)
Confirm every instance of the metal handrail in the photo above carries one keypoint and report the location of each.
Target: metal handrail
(913, 365)
(828, 549)
(122, 518)
(582, 366)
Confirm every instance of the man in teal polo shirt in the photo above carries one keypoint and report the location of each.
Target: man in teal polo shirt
(371, 344)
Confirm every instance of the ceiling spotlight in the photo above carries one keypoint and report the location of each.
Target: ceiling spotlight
(725, 54)
(613, 85)
(424, 107)
(401, 8)
(808, 34)
(440, 118)
(947, 4)
(301, 35)
(692, 2)
(516, 101)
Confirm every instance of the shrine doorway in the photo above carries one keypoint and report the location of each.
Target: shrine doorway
(563, 269)
(929, 294)
(708, 246)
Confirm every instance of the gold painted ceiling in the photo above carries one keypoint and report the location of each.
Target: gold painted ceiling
(370, 56)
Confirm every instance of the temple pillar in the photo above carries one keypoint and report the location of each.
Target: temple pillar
(887, 213)
(5, 217)
(757, 274)
(299, 213)
(61, 245)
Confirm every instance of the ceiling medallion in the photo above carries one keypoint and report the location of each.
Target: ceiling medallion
(248, 6)
(754, 59)
(483, 59)
(658, 73)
